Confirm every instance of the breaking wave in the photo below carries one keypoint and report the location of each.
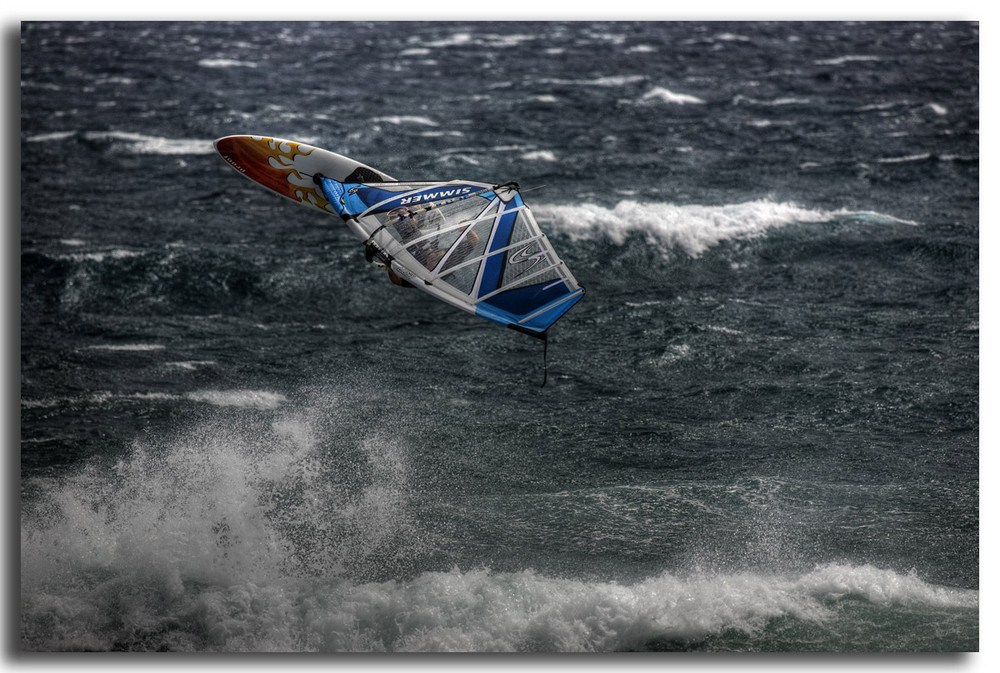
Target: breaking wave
(692, 229)
(292, 530)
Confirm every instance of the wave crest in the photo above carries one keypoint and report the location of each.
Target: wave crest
(693, 229)
(690, 228)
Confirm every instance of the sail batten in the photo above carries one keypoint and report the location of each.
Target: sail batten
(495, 252)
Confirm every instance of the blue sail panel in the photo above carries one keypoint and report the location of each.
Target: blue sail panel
(495, 263)
(352, 199)
(534, 307)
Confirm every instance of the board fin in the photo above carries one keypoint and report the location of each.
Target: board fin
(544, 337)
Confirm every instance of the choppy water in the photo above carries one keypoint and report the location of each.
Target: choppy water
(760, 428)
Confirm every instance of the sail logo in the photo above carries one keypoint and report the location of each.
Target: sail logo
(522, 256)
(434, 196)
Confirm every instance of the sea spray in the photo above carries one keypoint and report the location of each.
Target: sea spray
(252, 498)
(289, 529)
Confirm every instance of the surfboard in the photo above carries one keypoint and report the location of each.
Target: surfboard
(287, 167)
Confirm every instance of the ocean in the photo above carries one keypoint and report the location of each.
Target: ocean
(760, 427)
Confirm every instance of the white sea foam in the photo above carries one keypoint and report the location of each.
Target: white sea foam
(257, 399)
(615, 37)
(225, 63)
(693, 229)
(406, 119)
(731, 37)
(721, 329)
(191, 365)
(615, 80)
(48, 137)
(453, 40)
(905, 159)
(47, 403)
(604, 81)
(506, 40)
(483, 40)
(540, 155)
(841, 60)
(670, 355)
(440, 134)
(787, 100)
(880, 106)
(98, 256)
(133, 348)
(116, 80)
(138, 143)
(667, 96)
(182, 534)
(458, 158)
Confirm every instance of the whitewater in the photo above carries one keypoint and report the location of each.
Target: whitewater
(248, 537)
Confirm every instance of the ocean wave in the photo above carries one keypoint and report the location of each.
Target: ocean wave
(480, 41)
(264, 534)
(170, 536)
(539, 155)
(49, 137)
(614, 80)
(693, 229)
(667, 96)
(225, 63)
(457, 39)
(841, 60)
(924, 156)
(136, 143)
(107, 278)
(261, 400)
(191, 365)
(740, 99)
(463, 611)
(607, 81)
(256, 399)
(406, 119)
(127, 347)
(96, 256)
(139, 143)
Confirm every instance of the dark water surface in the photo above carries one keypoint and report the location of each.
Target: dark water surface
(760, 428)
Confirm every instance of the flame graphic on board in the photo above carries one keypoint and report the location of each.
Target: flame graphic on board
(280, 165)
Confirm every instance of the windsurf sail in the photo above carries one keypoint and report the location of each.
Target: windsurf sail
(473, 245)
